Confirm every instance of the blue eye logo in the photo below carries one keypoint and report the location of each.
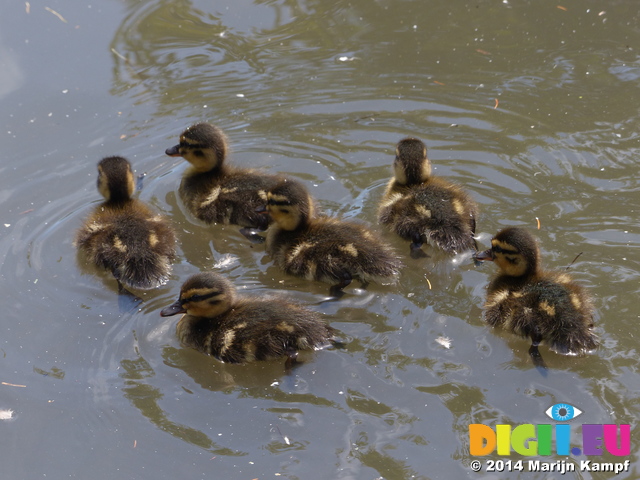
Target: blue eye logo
(563, 412)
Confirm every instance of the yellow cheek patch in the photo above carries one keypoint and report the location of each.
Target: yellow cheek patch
(549, 309)
(400, 174)
(426, 168)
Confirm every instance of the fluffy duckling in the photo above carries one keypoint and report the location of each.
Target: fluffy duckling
(423, 208)
(214, 191)
(237, 329)
(322, 248)
(530, 302)
(123, 235)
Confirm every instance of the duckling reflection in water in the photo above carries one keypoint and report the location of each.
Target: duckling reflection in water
(123, 235)
(215, 192)
(322, 248)
(237, 329)
(423, 208)
(530, 302)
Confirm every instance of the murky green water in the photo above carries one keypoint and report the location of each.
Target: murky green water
(533, 107)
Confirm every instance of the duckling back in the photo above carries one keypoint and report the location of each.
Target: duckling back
(321, 248)
(123, 235)
(435, 212)
(256, 330)
(331, 251)
(229, 198)
(423, 208)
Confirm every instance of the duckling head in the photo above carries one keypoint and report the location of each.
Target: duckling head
(203, 145)
(411, 164)
(289, 204)
(515, 251)
(205, 295)
(115, 179)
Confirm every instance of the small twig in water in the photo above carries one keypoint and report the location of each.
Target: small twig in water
(286, 439)
(574, 260)
(56, 14)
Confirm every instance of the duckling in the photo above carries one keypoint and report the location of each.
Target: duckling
(322, 248)
(123, 235)
(422, 208)
(216, 192)
(236, 329)
(530, 302)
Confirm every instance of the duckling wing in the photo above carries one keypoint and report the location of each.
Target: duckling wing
(559, 314)
(332, 250)
(565, 317)
(450, 224)
(231, 198)
(435, 213)
(267, 329)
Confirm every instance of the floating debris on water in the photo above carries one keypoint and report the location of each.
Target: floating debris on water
(6, 414)
(226, 260)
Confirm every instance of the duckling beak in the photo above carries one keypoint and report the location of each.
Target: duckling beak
(485, 256)
(173, 151)
(262, 209)
(173, 309)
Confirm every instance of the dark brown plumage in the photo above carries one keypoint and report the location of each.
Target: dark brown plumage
(530, 302)
(123, 235)
(423, 208)
(237, 329)
(322, 248)
(214, 191)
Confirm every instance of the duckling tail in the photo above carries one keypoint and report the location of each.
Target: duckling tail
(144, 272)
(453, 239)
